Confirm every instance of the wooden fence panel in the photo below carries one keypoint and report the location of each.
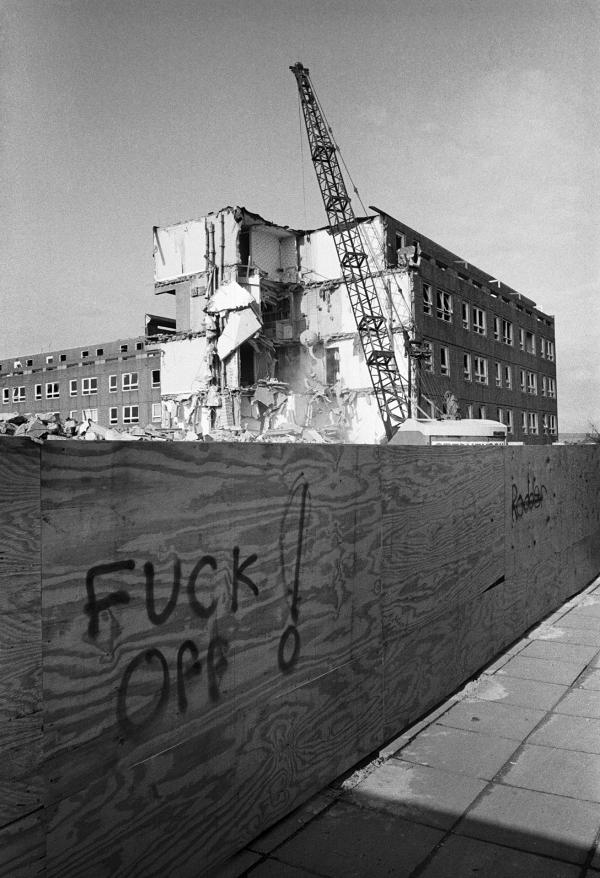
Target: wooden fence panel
(227, 628)
(21, 837)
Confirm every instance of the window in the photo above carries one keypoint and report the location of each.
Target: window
(444, 361)
(89, 386)
(480, 412)
(17, 364)
(530, 342)
(123, 349)
(443, 306)
(522, 381)
(498, 374)
(550, 351)
(427, 300)
(156, 411)
(113, 416)
(73, 414)
(469, 410)
(552, 425)
(467, 374)
(543, 348)
(29, 362)
(532, 383)
(52, 390)
(522, 339)
(427, 358)
(332, 366)
(465, 314)
(129, 381)
(508, 377)
(543, 385)
(478, 320)
(480, 368)
(112, 383)
(500, 415)
(63, 358)
(38, 391)
(139, 345)
(552, 388)
(496, 322)
(533, 423)
(524, 423)
(5, 396)
(49, 360)
(99, 352)
(509, 421)
(156, 378)
(130, 414)
(84, 354)
(18, 394)
(73, 387)
(89, 415)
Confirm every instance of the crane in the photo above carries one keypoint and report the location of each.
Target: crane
(390, 387)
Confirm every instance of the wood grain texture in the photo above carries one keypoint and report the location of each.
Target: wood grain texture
(227, 628)
(23, 848)
(20, 633)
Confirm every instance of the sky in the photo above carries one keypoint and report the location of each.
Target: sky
(475, 122)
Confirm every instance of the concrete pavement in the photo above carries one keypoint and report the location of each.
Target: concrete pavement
(501, 780)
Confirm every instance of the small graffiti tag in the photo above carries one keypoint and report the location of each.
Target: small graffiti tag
(532, 499)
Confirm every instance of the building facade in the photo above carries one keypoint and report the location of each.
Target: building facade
(484, 350)
(116, 383)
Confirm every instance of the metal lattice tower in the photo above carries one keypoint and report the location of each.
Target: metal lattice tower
(388, 384)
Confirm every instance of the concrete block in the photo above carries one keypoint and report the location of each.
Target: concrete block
(542, 669)
(461, 752)
(562, 772)
(514, 690)
(418, 793)
(569, 733)
(554, 826)
(492, 718)
(466, 856)
(580, 702)
(563, 652)
(351, 842)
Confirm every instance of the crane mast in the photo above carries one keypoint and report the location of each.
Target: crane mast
(388, 384)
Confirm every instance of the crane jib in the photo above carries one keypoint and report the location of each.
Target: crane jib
(377, 344)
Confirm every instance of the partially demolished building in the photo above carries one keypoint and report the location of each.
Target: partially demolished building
(265, 345)
(272, 347)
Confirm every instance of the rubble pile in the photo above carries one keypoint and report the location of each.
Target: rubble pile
(268, 412)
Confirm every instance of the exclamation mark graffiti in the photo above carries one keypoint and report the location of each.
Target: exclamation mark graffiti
(289, 642)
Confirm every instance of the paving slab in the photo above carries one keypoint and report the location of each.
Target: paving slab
(591, 680)
(555, 826)
(580, 702)
(514, 690)
(493, 718)
(577, 653)
(586, 636)
(569, 732)
(273, 868)
(417, 792)
(287, 827)
(580, 618)
(237, 865)
(456, 750)
(459, 857)
(545, 670)
(351, 842)
(562, 772)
